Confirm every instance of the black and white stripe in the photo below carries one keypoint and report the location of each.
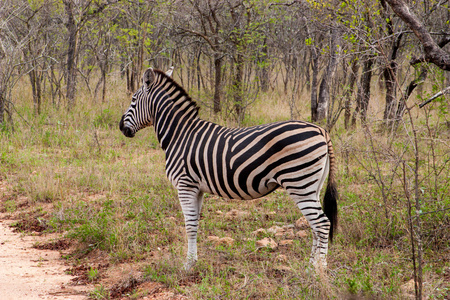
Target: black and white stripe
(238, 163)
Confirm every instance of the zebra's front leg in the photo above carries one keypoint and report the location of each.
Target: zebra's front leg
(190, 200)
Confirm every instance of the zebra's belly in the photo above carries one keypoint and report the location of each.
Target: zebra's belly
(266, 187)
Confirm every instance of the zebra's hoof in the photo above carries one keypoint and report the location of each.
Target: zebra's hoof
(319, 264)
(189, 264)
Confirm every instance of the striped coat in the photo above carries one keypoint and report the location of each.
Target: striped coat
(238, 163)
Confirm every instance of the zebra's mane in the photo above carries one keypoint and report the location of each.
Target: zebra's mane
(182, 91)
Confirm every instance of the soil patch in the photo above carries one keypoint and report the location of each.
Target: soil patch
(30, 225)
(54, 245)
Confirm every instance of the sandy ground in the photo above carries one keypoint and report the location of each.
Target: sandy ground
(28, 273)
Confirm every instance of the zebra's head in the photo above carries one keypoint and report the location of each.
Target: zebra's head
(138, 115)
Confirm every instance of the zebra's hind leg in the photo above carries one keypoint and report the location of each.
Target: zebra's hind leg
(308, 203)
(191, 201)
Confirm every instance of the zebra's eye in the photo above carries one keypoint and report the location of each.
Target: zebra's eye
(133, 99)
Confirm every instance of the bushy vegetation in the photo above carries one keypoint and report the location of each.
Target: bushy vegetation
(78, 174)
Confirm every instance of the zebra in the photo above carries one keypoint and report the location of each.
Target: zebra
(236, 163)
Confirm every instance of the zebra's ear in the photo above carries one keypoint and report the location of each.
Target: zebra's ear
(169, 72)
(148, 77)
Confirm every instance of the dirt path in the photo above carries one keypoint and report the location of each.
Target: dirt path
(29, 273)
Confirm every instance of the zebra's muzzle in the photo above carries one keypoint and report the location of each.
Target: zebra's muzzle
(127, 131)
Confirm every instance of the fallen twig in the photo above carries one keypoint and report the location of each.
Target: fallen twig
(443, 92)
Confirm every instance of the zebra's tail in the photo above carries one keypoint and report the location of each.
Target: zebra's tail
(331, 194)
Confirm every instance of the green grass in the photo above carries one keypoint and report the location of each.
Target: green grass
(110, 193)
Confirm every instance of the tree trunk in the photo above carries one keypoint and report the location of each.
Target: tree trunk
(365, 84)
(104, 84)
(324, 89)
(315, 71)
(129, 79)
(55, 87)
(104, 69)
(306, 72)
(264, 77)
(2, 106)
(35, 81)
(323, 99)
(71, 79)
(217, 82)
(390, 75)
(348, 94)
(447, 76)
(237, 86)
(363, 97)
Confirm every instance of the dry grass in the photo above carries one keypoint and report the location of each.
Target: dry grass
(110, 193)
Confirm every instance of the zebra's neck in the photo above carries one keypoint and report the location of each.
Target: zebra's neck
(173, 109)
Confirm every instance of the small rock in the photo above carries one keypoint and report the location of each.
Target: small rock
(279, 234)
(408, 289)
(234, 213)
(283, 268)
(282, 258)
(289, 234)
(286, 242)
(301, 234)
(267, 242)
(275, 229)
(259, 232)
(302, 223)
(219, 212)
(226, 241)
(213, 238)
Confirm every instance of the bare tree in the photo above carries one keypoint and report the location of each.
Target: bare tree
(12, 42)
(208, 22)
(77, 14)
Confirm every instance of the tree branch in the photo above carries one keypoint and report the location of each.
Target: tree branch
(283, 4)
(416, 60)
(433, 53)
(200, 35)
(443, 92)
